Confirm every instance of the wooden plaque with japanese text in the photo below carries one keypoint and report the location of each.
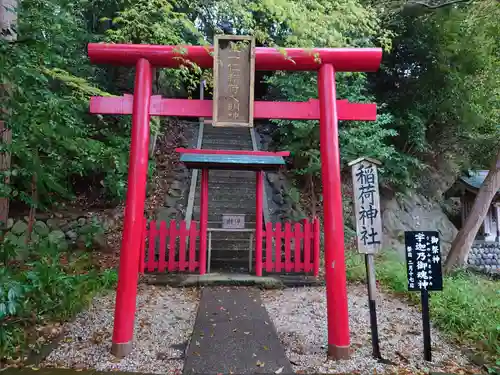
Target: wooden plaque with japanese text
(423, 261)
(366, 198)
(234, 70)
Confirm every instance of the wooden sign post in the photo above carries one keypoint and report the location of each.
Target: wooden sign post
(368, 230)
(423, 266)
(234, 75)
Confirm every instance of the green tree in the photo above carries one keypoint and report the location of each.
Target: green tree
(442, 84)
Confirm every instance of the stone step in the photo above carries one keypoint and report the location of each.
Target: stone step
(228, 197)
(229, 144)
(214, 180)
(233, 260)
(229, 266)
(247, 202)
(217, 217)
(218, 224)
(230, 208)
(246, 198)
(228, 189)
(232, 246)
(231, 237)
(225, 131)
(228, 147)
(228, 260)
(214, 135)
(229, 139)
(226, 184)
(236, 206)
(223, 236)
(218, 183)
(230, 173)
(215, 175)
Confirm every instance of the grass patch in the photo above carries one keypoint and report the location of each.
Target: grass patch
(468, 308)
(46, 287)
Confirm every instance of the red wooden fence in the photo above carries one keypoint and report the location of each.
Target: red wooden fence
(302, 238)
(169, 248)
(288, 248)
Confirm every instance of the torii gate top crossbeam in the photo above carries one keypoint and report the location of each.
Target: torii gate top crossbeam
(342, 59)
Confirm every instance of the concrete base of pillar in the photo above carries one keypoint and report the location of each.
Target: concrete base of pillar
(121, 350)
(338, 352)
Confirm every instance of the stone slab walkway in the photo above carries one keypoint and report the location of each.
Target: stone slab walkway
(234, 334)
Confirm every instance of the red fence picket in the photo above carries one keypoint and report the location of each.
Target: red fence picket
(302, 237)
(169, 248)
(316, 244)
(143, 247)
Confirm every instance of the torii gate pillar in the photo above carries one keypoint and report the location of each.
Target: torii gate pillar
(134, 212)
(333, 222)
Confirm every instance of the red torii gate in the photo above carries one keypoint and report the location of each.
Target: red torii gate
(327, 110)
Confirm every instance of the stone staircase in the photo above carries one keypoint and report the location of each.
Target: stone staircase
(229, 192)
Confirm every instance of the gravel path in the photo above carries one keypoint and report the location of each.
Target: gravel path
(300, 318)
(164, 322)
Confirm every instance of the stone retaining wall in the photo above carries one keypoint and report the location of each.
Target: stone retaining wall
(178, 180)
(63, 230)
(485, 257)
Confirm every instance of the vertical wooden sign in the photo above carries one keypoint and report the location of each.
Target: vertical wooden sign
(423, 265)
(234, 75)
(367, 204)
(368, 230)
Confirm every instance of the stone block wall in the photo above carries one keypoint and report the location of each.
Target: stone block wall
(64, 230)
(173, 205)
(485, 257)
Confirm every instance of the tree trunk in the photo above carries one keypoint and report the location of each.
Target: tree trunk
(32, 214)
(8, 32)
(465, 237)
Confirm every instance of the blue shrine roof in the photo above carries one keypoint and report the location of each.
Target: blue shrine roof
(232, 161)
(475, 179)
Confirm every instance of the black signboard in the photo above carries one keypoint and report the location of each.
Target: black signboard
(423, 261)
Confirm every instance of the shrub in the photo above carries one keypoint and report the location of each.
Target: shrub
(49, 286)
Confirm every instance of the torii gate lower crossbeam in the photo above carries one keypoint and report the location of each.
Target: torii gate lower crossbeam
(144, 57)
